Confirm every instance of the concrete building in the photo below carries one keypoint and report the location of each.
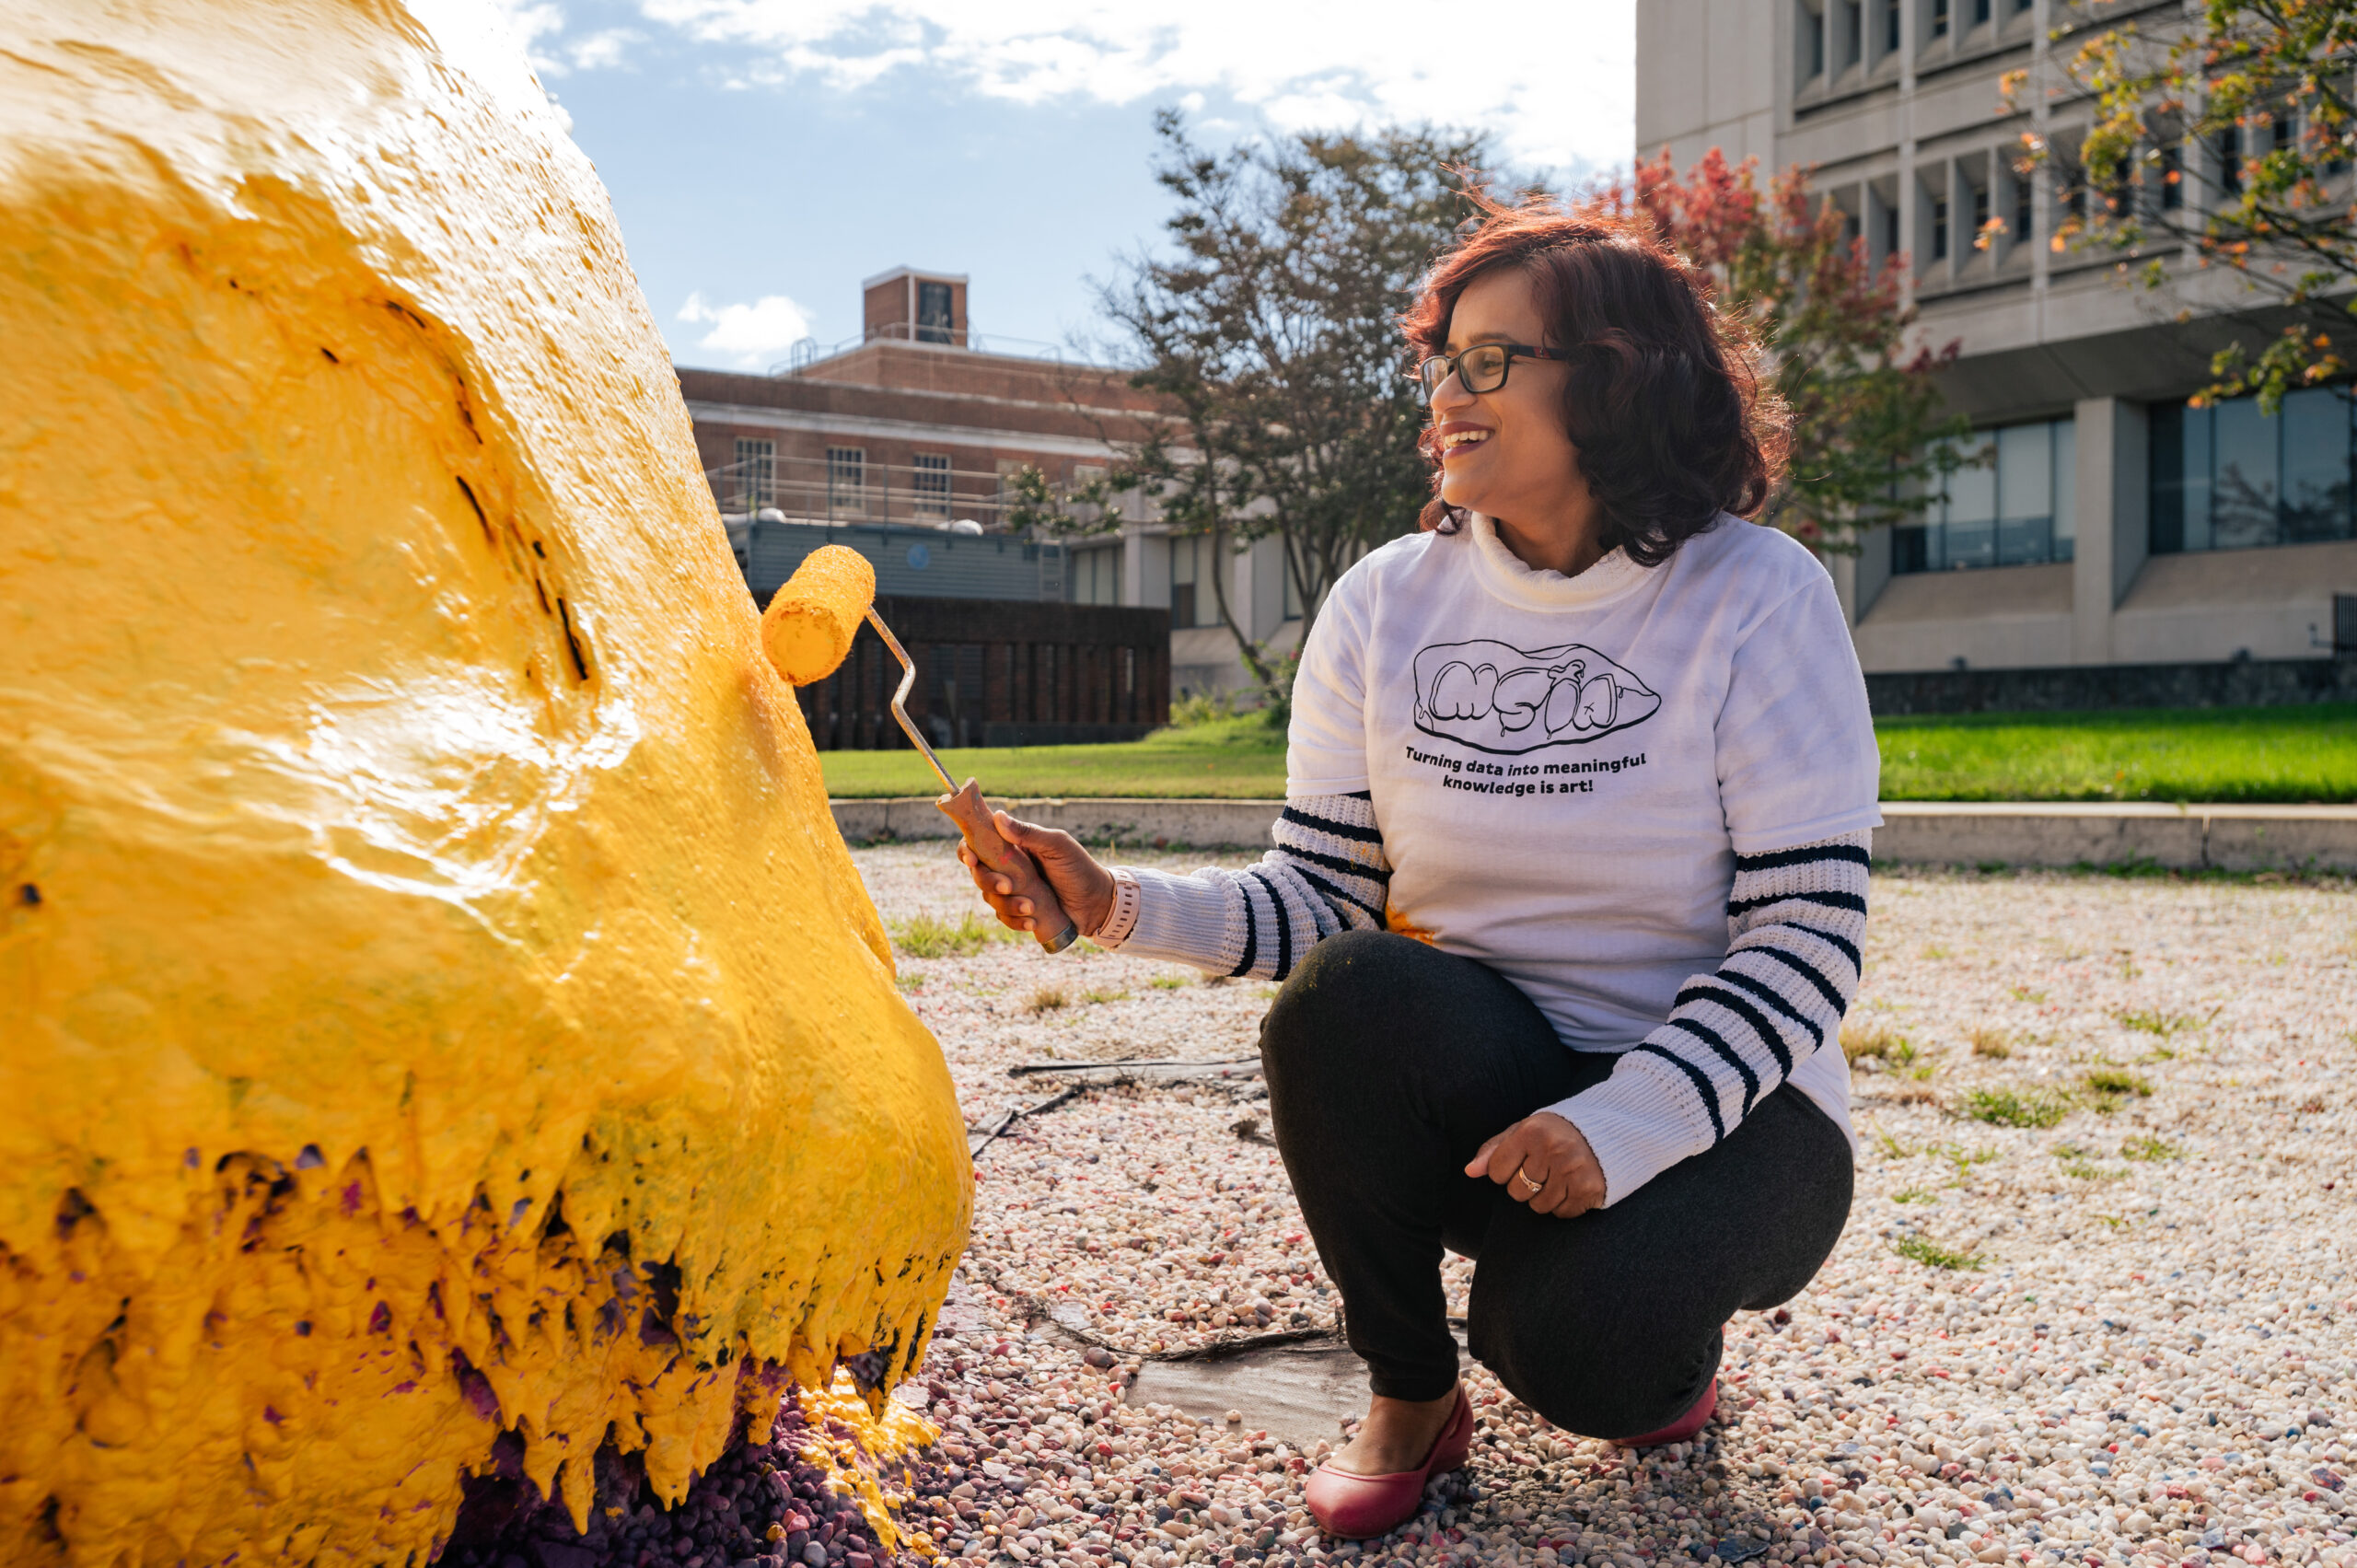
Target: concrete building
(2115, 527)
(900, 444)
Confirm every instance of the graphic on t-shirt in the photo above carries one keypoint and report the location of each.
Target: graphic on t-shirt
(1497, 698)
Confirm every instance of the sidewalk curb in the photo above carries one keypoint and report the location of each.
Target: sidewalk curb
(2032, 833)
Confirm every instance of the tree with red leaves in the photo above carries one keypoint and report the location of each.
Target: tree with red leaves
(1869, 441)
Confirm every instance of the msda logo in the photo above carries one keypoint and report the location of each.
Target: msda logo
(1505, 700)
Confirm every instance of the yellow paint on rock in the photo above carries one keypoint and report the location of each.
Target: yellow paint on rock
(433, 997)
(863, 1446)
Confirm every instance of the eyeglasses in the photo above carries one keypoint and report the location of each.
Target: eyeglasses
(1482, 368)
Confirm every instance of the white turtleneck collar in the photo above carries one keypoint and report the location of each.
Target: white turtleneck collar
(1540, 588)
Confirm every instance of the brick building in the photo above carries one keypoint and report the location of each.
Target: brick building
(900, 444)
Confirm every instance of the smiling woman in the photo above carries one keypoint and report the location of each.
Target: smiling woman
(1569, 890)
(1661, 428)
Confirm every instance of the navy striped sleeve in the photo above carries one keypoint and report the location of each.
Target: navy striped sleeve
(1796, 926)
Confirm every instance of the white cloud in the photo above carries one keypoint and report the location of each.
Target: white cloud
(530, 21)
(602, 50)
(1555, 79)
(754, 336)
(496, 45)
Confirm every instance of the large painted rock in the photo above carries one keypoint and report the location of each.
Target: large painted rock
(434, 1001)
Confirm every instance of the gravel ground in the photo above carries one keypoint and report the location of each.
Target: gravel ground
(2094, 1304)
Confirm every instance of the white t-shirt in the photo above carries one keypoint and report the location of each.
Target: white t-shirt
(1563, 769)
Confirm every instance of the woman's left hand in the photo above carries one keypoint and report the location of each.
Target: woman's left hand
(1543, 1161)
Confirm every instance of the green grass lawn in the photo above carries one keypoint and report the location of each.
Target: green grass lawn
(1237, 758)
(2203, 754)
(2288, 755)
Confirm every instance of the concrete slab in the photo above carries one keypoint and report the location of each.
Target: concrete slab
(2030, 834)
(1297, 1393)
(1203, 824)
(2315, 839)
(2005, 833)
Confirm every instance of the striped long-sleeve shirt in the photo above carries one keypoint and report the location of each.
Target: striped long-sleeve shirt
(1795, 926)
(1326, 874)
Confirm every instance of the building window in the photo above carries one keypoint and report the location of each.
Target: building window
(1853, 33)
(846, 481)
(1193, 596)
(1939, 19)
(2227, 476)
(2230, 160)
(1980, 12)
(2024, 208)
(1939, 228)
(1891, 26)
(756, 474)
(931, 481)
(1182, 583)
(1889, 232)
(1980, 211)
(932, 313)
(1097, 575)
(1812, 42)
(2172, 178)
(2014, 507)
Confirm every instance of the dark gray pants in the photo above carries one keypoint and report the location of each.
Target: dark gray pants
(1389, 1062)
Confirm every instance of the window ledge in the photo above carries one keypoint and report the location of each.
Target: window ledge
(1938, 60)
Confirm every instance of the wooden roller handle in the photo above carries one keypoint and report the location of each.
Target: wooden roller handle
(1050, 924)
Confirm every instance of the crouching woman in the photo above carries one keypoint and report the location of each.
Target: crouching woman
(1570, 887)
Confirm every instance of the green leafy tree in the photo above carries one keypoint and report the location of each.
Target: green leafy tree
(1869, 440)
(1269, 323)
(2224, 137)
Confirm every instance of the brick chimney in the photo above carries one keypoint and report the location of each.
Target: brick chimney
(907, 306)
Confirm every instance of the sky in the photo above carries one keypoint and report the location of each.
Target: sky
(766, 155)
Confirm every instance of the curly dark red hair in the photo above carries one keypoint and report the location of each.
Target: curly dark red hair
(1663, 399)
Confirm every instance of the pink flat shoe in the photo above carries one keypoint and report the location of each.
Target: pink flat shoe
(1684, 1427)
(1357, 1507)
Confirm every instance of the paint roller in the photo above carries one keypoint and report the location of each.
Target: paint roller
(807, 631)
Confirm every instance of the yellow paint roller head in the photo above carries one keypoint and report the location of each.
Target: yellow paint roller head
(809, 624)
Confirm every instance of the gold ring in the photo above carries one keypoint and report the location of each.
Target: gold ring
(1523, 1177)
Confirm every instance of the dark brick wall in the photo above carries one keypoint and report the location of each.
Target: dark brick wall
(2244, 683)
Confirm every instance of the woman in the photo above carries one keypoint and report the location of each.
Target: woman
(1570, 885)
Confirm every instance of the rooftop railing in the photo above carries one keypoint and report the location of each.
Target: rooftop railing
(834, 491)
(809, 352)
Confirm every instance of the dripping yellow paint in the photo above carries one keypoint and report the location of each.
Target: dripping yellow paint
(433, 997)
(865, 1448)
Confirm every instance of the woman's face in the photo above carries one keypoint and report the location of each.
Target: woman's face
(1504, 453)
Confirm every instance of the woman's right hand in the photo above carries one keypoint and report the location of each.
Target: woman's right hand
(1081, 885)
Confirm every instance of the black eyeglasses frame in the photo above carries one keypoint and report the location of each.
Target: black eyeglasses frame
(1429, 384)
